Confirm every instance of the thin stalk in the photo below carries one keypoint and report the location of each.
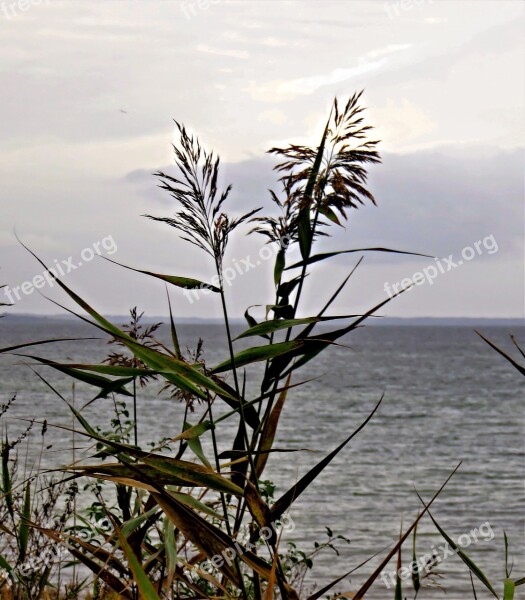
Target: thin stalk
(234, 370)
(223, 498)
(135, 425)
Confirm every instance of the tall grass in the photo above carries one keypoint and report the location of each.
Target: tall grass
(183, 524)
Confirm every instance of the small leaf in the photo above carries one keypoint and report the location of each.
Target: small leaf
(280, 263)
(195, 445)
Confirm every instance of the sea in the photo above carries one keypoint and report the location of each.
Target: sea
(448, 399)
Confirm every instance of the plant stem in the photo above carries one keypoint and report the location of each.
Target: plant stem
(223, 499)
(234, 370)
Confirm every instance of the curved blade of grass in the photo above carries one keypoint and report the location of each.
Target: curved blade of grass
(6, 566)
(325, 255)
(369, 582)
(286, 500)
(259, 353)
(267, 327)
(182, 282)
(107, 386)
(130, 525)
(504, 354)
(40, 342)
(328, 587)
(473, 568)
(153, 358)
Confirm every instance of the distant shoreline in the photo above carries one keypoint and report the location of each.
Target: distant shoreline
(383, 321)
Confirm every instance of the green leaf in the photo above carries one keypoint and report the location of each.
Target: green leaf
(182, 282)
(280, 263)
(192, 474)
(304, 228)
(173, 329)
(330, 215)
(145, 586)
(259, 353)
(23, 530)
(195, 445)
(107, 386)
(130, 525)
(273, 325)
(192, 502)
(171, 550)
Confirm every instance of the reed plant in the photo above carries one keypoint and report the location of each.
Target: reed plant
(185, 523)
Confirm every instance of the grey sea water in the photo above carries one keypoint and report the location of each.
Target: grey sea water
(448, 398)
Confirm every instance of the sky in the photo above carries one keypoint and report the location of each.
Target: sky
(89, 92)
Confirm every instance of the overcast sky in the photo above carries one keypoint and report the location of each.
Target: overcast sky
(89, 91)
